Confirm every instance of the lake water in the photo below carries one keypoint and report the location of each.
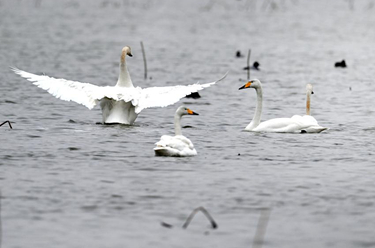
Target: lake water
(69, 182)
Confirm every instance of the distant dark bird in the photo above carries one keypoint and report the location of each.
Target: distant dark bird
(238, 54)
(341, 64)
(194, 95)
(254, 67)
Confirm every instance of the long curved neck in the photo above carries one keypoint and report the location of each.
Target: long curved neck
(177, 124)
(258, 110)
(124, 79)
(308, 95)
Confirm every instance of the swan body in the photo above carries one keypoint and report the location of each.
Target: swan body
(178, 145)
(295, 124)
(120, 103)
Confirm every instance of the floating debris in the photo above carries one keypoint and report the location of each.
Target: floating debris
(10, 125)
(205, 212)
(191, 216)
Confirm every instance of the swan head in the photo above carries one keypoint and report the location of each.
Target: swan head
(255, 83)
(125, 51)
(309, 89)
(185, 111)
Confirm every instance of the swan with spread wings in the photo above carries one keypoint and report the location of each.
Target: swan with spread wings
(120, 103)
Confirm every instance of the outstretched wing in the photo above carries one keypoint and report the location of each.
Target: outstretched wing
(82, 93)
(164, 96)
(89, 95)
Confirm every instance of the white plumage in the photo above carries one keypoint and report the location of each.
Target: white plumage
(121, 103)
(297, 123)
(178, 145)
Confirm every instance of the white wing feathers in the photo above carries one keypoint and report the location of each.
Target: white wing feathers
(81, 93)
(89, 95)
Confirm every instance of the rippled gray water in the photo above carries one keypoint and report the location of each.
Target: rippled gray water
(69, 182)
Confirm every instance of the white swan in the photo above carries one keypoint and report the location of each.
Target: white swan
(308, 119)
(178, 145)
(297, 123)
(121, 103)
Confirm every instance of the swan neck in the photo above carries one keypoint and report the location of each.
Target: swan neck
(124, 79)
(308, 96)
(177, 124)
(258, 110)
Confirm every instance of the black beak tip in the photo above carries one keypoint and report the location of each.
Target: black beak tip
(243, 87)
(312, 92)
(195, 113)
(130, 55)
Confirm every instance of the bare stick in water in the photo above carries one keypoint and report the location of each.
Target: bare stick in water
(1, 230)
(10, 125)
(261, 228)
(212, 221)
(248, 65)
(144, 59)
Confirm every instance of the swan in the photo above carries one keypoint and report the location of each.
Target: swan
(178, 145)
(307, 118)
(295, 124)
(120, 103)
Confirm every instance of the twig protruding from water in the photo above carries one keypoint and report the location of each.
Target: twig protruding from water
(261, 228)
(1, 229)
(144, 59)
(10, 125)
(203, 210)
(248, 64)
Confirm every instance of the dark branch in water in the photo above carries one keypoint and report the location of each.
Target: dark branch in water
(1, 230)
(10, 125)
(166, 225)
(144, 59)
(261, 228)
(248, 64)
(212, 221)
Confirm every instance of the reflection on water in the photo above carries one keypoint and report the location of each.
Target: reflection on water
(68, 182)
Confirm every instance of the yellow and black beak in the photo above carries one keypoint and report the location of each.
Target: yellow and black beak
(190, 112)
(246, 85)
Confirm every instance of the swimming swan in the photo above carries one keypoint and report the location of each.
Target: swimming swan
(178, 145)
(121, 103)
(308, 118)
(297, 123)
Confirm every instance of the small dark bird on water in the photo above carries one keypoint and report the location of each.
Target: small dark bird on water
(238, 54)
(255, 66)
(341, 64)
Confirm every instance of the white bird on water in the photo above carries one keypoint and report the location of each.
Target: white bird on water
(120, 103)
(297, 123)
(178, 145)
